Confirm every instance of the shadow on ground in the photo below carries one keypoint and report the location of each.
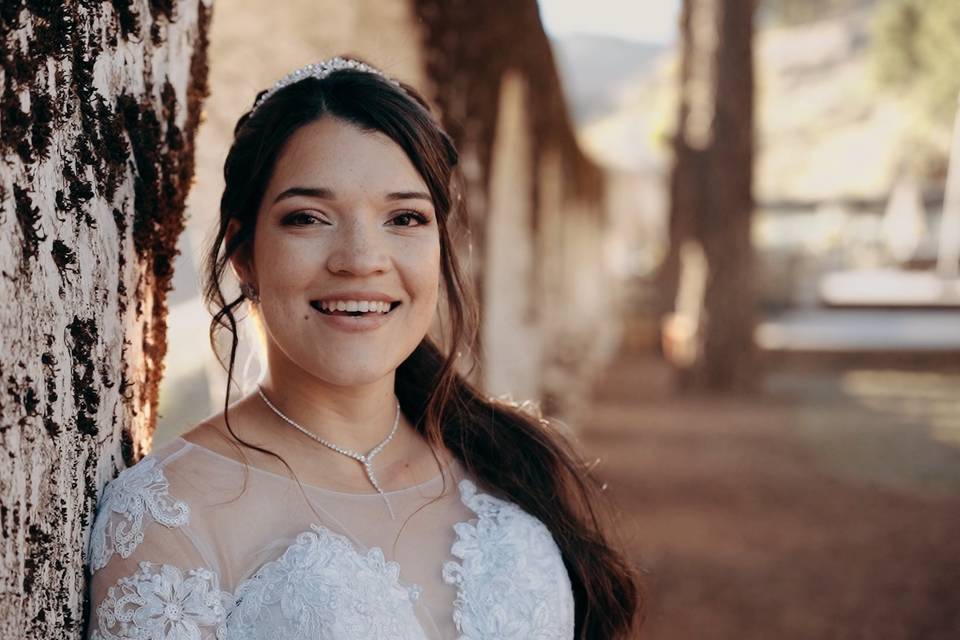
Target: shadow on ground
(827, 506)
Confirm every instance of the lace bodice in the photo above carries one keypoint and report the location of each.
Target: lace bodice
(180, 551)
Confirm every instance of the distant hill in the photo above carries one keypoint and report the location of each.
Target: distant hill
(826, 130)
(597, 69)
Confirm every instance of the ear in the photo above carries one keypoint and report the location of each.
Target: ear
(241, 262)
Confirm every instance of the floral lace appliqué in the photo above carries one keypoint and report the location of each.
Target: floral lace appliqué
(137, 490)
(323, 589)
(511, 581)
(159, 602)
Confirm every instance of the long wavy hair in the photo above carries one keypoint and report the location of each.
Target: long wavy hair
(504, 445)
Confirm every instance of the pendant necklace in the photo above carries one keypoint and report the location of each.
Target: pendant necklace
(365, 459)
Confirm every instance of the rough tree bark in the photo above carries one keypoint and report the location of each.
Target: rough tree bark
(100, 102)
(711, 189)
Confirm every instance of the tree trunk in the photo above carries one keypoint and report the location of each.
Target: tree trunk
(100, 102)
(713, 178)
(728, 354)
(683, 176)
(679, 292)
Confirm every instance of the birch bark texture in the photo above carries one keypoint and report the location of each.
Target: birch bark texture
(99, 107)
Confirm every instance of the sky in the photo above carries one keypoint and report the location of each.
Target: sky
(652, 21)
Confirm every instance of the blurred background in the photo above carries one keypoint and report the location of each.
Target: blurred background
(718, 239)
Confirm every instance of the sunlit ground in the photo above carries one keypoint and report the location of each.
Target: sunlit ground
(929, 400)
(827, 506)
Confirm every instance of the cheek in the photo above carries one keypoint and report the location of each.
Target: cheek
(421, 272)
(430, 272)
(285, 266)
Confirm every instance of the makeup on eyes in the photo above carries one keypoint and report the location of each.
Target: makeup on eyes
(421, 218)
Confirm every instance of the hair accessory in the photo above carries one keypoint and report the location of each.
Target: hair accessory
(249, 292)
(365, 459)
(320, 70)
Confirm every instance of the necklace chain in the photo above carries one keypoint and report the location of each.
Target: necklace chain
(365, 459)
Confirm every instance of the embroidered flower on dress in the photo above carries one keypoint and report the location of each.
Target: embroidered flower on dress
(138, 489)
(159, 603)
(322, 587)
(511, 581)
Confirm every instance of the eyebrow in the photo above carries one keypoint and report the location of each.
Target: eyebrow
(322, 193)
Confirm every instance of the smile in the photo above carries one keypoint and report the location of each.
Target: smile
(354, 308)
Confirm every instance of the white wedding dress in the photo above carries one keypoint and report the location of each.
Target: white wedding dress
(174, 555)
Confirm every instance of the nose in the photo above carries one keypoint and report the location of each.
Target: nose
(358, 250)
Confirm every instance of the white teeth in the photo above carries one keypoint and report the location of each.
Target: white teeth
(363, 306)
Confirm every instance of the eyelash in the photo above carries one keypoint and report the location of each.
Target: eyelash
(416, 215)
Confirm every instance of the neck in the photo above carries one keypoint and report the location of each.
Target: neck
(356, 418)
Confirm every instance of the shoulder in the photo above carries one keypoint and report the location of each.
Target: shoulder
(139, 496)
(214, 434)
(211, 434)
(515, 528)
(510, 548)
(147, 559)
(503, 529)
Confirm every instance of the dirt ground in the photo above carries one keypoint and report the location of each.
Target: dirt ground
(828, 506)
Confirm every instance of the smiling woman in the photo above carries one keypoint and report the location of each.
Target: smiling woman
(340, 186)
(345, 219)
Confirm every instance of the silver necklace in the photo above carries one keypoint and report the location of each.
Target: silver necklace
(365, 459)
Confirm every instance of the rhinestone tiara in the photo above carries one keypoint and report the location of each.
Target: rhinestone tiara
(320, 70)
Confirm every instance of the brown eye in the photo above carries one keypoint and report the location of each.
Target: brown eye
(403, 220)
(301, 219)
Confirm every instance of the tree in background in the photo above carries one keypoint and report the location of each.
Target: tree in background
(99, 106)
(793, 12)
(709, 335)
(916, 48)
(917, 52)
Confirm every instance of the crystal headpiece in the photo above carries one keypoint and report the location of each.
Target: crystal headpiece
(320, 70)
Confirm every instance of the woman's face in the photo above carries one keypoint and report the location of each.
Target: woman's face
(346, 255)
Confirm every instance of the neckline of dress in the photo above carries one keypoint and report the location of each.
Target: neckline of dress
(345, 494)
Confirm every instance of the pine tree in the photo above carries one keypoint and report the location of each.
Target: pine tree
(712, 202)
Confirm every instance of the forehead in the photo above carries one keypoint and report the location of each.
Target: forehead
(333, 153)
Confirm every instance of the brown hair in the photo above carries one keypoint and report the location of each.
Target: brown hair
(505, 447)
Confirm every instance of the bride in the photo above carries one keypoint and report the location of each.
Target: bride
(365, 489)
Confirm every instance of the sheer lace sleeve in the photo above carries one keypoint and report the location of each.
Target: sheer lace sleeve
(148, 578)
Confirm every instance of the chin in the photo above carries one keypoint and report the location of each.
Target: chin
(354, 376)
(357, 381)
